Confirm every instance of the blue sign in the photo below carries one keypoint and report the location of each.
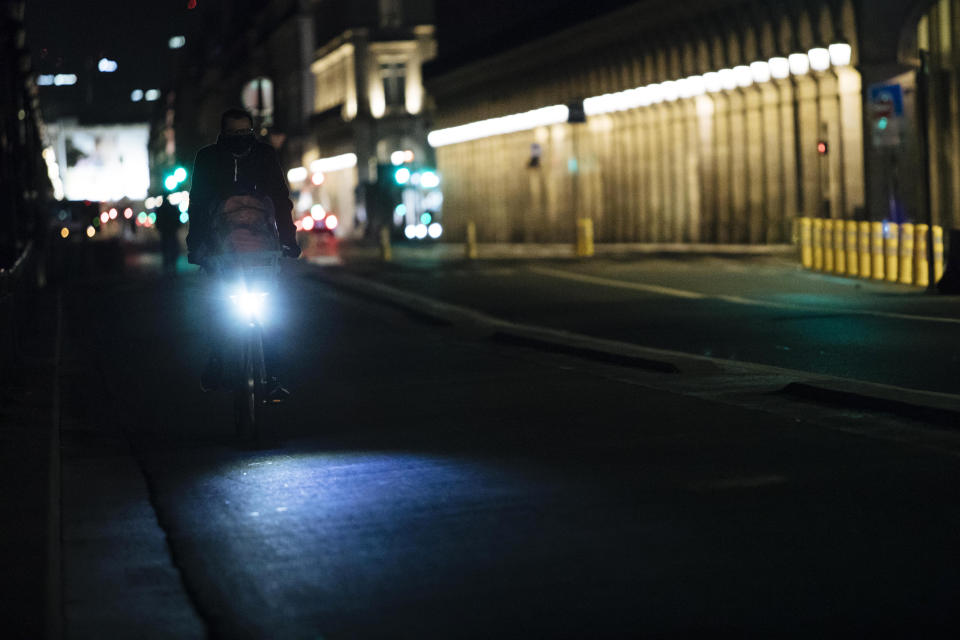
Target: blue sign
(886, 100)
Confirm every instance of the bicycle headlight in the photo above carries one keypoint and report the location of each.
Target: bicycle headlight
(249, 303)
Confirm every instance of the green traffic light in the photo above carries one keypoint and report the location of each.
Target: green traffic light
(882, 124)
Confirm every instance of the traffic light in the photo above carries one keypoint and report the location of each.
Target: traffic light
(401, 176)
(173, 179)
(822, 147)
(429, 179)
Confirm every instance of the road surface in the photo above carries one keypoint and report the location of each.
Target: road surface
(432, 483)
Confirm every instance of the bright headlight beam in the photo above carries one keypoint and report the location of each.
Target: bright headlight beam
(249, 303)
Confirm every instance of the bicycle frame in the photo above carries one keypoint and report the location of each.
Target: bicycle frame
(248, 279)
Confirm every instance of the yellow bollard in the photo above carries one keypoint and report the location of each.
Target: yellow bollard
(938, 251)
(839, 248)
(818, 244)
(386, 251)
(876, 249)
(471, 240)
(806, 242)
(907, 247)
(891, 237)
(863, 245)
(828, 252)
(853, 258)
(584, 237)
(920, 233)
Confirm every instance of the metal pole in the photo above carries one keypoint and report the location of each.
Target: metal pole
(923, 102)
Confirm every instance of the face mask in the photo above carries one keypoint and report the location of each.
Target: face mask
(238, 144)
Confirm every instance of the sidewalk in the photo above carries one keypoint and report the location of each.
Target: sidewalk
(775, 270)
(28, 560)
(82, 550)
(315, 245)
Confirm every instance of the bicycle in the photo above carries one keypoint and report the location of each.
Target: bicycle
(247, 280)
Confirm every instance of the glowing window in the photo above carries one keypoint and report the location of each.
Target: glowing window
(394, 76)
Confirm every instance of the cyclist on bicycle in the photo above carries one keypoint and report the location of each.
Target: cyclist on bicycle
(236, 164)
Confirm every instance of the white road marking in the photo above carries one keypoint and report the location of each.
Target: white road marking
(694, 295)
(636, 286)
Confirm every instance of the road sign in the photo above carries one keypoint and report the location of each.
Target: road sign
(886, 114)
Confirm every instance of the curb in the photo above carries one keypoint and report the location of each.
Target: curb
(929, 406)
(934, 408)
(54, 612)
(452, 251)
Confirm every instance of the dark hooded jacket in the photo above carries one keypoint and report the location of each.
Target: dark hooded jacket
(218, 174)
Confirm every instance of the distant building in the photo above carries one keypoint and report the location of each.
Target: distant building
(335, 85)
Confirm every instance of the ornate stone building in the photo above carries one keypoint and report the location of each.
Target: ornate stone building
(335, 85)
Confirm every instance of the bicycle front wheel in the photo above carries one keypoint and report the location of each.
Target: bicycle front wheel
(246, 399)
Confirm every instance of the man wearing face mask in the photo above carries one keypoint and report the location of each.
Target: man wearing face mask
(238, 163)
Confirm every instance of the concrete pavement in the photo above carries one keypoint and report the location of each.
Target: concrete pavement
(433, 482)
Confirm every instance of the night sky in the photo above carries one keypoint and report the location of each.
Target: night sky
(70, 36)
(469, 30)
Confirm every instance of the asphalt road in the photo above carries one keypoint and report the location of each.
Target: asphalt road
(433, 484)
(757, 309)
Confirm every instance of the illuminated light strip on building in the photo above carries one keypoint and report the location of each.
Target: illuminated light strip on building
(334, 163)
(297, 174)
(59, 80)
(498, 126)
(323, 165)
(53, 172)
(778, 68)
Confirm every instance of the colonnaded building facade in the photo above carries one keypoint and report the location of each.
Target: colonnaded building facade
(719, 121)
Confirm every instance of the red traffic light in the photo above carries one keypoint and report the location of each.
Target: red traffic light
(822, 148)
